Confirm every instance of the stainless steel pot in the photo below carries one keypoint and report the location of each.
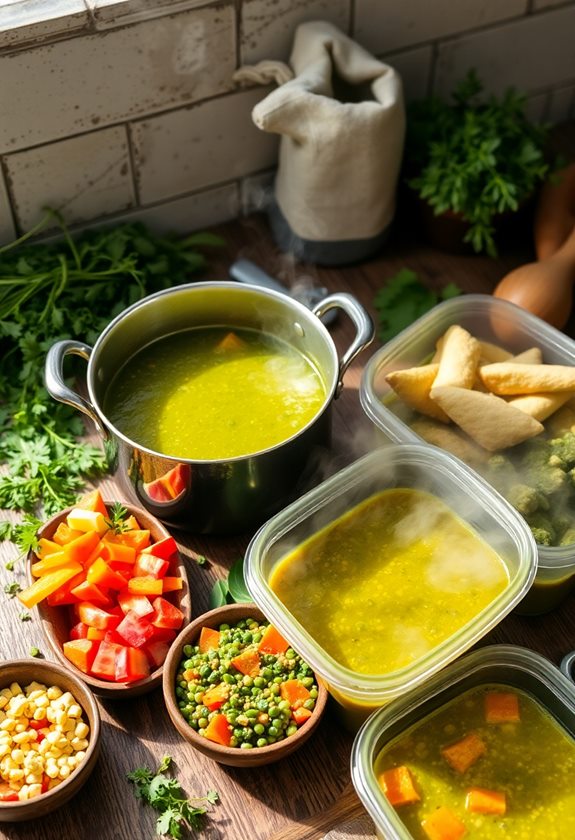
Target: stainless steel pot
(223, 496)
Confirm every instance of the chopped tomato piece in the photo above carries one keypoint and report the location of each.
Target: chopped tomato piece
(140, 604)
(104, 665)
(79, 631)
(96, 633)
(156, 651)
(95, 616)
(44, 723)
(135, 629)
(163, 634)
(150, 564)
(63, 595)
(131, 664)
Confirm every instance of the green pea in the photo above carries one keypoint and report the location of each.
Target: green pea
(252, 713)
(313, 693)
(229, 679)
(307, 681)
(309, 704)
(245, 745)
(188, 650)
(259, 729)
(274, 712)
(273, 731)
(291, 730)
(290, 653)
(261, 742)
(259, 682)
(202, 722)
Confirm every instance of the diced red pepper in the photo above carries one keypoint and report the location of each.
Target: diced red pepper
(135, 629)
(79, 631)
(163, 634)
(95, 616)
(166, 615)
(104, 665)
(140, 604)
(150, 564)
(131, 664)
(163, 548)
(44, 723)
(7, 794)
(156, 651)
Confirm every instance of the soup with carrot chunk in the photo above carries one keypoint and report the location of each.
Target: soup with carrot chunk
(490, 764)
(210, 393)
(390, 580)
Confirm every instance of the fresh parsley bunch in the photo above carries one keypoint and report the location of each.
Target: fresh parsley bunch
(403, 299)
(165, 796)
(70, 288)
(475, 156)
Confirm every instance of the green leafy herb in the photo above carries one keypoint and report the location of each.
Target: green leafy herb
(12, 589)
(67, 289)
(476, 156)
(165, 796)
(201, 560)
(36, 652)
(231, 589)
(403, 299)
(25, 616)
(117, 518)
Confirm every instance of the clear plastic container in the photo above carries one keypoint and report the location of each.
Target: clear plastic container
(505, 665)
(416, 466)
(489, 319)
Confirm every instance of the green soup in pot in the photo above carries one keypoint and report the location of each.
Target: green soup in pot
(212, 393)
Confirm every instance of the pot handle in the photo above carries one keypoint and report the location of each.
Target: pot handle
(566, 665)
(54, 378)
(365, 329)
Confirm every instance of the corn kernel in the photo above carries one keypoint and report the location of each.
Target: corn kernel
(54, 692)
(8, 724)
(24, 737)
(23, 793)
(35, 686)
(81, 729)
(18, 756)
(64, 771)
(33, 778)
(38, 713)
(51, 770)
(42, 702)
(3, 700)
(6, 693)
(15, 775)
(4, 749)
(34, 790)
(15, 688)
(61, 717)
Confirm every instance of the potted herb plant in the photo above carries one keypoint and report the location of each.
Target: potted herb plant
(473, 161)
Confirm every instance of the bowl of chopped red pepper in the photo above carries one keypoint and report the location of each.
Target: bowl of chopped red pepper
(237, 691)
(112, 594)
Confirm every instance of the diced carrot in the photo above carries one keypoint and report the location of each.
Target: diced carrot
(247, 662)
(172, 584)
(397, 784)
(145, 586)
(216, 696)
(103, 575)
(93, 501)
(443, 824)
(209, 639)
(272, 641)
(81, 653)
(64, 534)
(219, 730)
(502, 707)
(482, 801)
(300, 715)
(46, 547)
(230, 341)
(294, 692)
(48, 583)
(137, 538)
(80, 549)
(64, 595)
(56, 560)
(461, 755)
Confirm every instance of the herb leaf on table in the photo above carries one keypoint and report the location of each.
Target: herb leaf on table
(404, 299)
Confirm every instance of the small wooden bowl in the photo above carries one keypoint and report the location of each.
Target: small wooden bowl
(233, 756)
(24, 671)
(56, 623)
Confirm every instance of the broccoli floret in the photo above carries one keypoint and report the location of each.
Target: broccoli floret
(550, 480)
(563, 448)
(525, 499)
(501, 472)
(542, 529)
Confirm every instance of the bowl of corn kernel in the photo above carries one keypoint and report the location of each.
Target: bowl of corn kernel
(49, 737)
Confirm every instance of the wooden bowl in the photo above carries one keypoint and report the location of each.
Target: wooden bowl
(24, 671)
(233, 756)
(56, 621)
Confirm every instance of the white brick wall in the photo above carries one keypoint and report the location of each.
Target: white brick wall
(129, 110)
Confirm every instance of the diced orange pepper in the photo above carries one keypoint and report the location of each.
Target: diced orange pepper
(272, 641)
(56, 560)
(397, 784)
(172, 584)
(443, 824)
(82, 547)
(502, 707)
(216, 696)
(93, 501)
(95, 633)
(209, 639)
(48, 583)
(482, 801)
(145, 585)
(117, 554)
(294, 692)
(81, 653)
(461, 755)
(247, 662)
(46, 547)
(102, 575)
(64, 534)
(300, 715)
(64, 595)
(137, 538)
(219, 730)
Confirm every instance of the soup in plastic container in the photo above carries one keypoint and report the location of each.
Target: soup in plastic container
(389, 570)
(485, 749)
(502, 323)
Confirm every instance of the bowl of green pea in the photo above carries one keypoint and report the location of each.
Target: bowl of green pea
(237, 691)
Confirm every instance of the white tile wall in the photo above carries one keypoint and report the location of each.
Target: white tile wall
(384, 25)
(532, 54)
(267, 26)
(190, 148)
(102, 79)
(74, 88)
(84, 177)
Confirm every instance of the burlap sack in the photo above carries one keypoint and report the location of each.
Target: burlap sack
(342, 123)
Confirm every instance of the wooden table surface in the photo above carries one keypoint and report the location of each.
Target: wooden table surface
(309, 793)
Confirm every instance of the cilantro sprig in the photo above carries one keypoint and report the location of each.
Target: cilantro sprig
(403, 299)
(164, 794)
